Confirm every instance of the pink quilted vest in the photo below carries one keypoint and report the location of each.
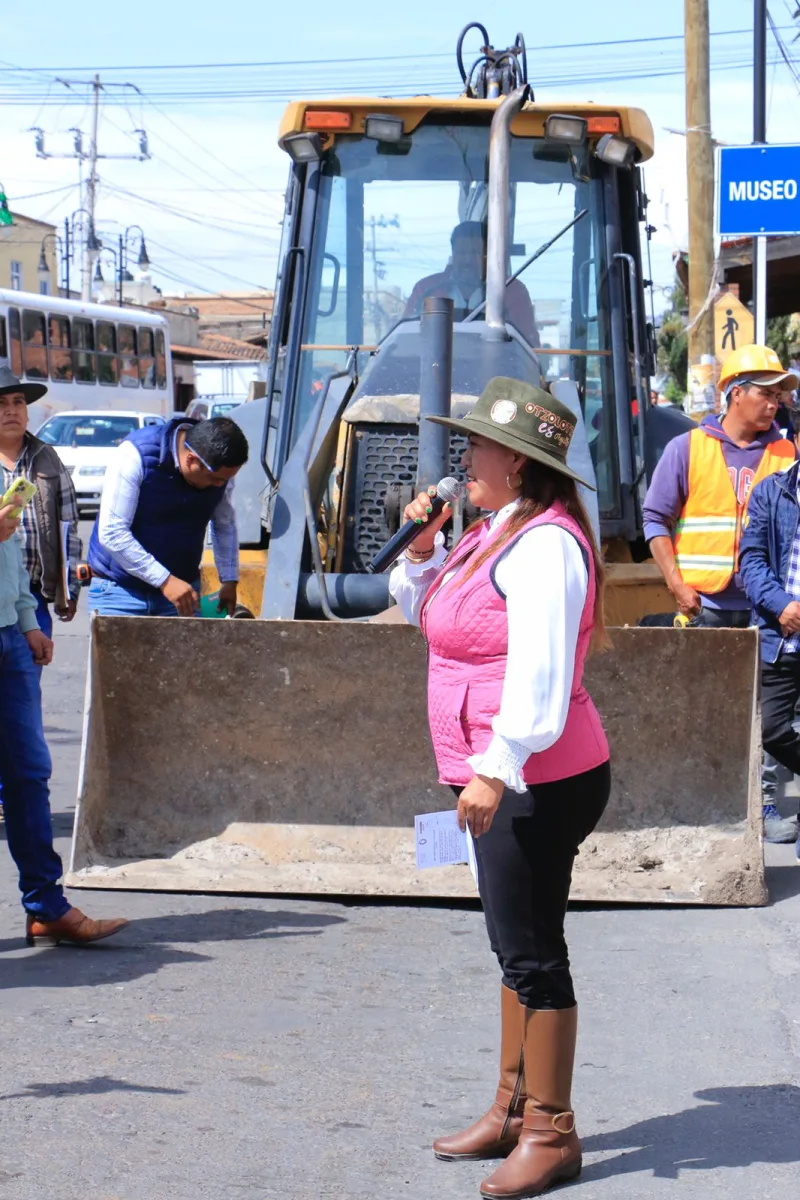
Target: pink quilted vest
(466, 627)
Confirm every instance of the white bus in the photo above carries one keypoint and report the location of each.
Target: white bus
(89, 355)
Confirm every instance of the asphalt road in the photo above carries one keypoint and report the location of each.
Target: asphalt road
(243, 1049)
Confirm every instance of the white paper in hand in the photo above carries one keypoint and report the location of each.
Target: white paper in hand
(439, 841)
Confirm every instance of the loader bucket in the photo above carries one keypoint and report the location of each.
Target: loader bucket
(287, 756)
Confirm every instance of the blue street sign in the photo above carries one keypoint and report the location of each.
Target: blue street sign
(758, 192)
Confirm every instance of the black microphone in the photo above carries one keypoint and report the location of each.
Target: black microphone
(447, 491)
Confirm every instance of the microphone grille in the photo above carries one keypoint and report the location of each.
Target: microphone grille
(449, 489)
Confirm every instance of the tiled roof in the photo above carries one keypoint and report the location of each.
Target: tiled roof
(214, 346)
(232, 304)
(227, 347)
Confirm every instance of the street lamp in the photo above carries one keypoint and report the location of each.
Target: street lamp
(143, 261)
(91, 243)
(98, 271)
(62, 256)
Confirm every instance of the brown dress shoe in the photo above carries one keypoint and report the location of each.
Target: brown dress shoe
(548, 1151)
(496, 1133)
(73, 927)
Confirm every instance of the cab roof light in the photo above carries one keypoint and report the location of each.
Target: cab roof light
(383, 129)
(303, 147)
(319, 119)
(604, 124)
(616, 151)
(567, 129)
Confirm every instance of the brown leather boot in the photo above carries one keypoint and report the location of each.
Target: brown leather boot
(548, 1150)
(73, 927)
(497, 1131)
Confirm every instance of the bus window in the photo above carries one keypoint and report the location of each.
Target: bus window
(126, 344)
(83, 350)
(34, 344)
(161, 359)
(60, 353)
(107, 361)
(15, 339)
(147, 360)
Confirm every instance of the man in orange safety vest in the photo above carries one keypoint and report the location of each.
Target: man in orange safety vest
(698, 496)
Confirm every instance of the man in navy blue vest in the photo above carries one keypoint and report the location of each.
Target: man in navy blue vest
(166, 483)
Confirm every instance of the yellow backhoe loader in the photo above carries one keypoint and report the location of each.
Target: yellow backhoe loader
(428, 245)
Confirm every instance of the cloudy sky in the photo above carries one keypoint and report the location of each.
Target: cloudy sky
(209, 84)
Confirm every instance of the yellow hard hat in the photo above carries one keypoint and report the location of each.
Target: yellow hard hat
(758, 363)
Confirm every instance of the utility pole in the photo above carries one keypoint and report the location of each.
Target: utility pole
(378, 270)
(760, 136)
(91, 244)
(89, 251)
(700, 178)
(67, 256)
(374, 253)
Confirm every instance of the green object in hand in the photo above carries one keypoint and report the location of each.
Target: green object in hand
(208, 606)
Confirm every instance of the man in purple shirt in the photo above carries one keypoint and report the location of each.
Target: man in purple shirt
(744, 433)
(743, 442)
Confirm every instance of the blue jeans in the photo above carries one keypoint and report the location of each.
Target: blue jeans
(111, 599)
(25, 773)
(45, 620)
(43, 615)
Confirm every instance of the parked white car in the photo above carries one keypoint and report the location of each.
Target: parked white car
(84, 440)
(205, 407)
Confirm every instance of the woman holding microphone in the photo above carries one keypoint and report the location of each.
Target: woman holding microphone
(509, 617)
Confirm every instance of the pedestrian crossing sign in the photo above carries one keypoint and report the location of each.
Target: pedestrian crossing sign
(733, 325)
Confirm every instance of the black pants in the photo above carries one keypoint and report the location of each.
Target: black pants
(524, 874)
(780, 692)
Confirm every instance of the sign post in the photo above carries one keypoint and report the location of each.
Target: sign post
(760, 289)
(733, 325)
(758, 197)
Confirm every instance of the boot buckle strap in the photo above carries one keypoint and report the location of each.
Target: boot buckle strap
(570, 1116)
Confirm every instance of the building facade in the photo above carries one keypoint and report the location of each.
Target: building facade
(21, 247)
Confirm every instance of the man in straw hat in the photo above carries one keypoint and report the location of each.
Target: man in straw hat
(24, 454)
(24, 758)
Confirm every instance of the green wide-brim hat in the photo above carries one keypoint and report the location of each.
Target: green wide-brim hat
(524, 418)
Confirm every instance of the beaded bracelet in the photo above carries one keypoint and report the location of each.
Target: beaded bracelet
(416, 557)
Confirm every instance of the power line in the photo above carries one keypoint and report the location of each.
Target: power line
(214, 270)
(209, 291)
(186, 134)
(193, 218)
(399, 83)
(406, 90)
(68, 187)
(793, 71)
(370, 58)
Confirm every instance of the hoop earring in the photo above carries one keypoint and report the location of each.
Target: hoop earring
(510, 481)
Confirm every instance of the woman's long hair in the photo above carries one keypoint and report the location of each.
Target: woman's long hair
(542, 487)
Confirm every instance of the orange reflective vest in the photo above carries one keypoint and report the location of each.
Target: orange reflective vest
(707, 534)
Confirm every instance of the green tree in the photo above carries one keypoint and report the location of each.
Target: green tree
(673, 347)
(782, 337)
